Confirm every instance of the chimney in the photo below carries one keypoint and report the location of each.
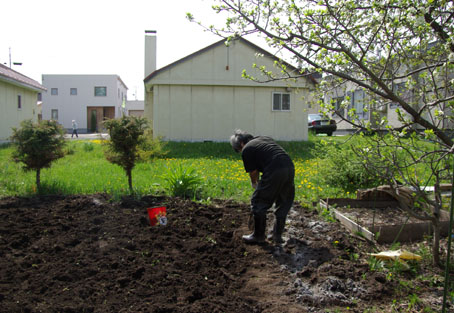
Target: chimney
(150, 52)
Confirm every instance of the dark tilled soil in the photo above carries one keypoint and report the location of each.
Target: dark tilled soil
(88, 254)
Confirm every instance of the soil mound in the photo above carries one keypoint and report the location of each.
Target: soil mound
(88, 254)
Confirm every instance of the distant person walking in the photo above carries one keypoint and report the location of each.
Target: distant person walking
(74, 129)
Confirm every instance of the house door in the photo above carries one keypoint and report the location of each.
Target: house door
(93, 121)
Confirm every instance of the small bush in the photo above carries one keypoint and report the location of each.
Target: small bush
(343, 168)
(70, 149)
(151, 147)
(182, 182)
(126, 138)
(88, 146)
(37, 145)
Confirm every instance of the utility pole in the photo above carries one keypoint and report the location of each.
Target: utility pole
(14, 63)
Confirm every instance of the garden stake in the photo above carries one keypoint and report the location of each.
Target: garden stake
(445, 291)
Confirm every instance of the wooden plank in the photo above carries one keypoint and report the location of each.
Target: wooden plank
(348, 223)
(352, 226)
(387, 233)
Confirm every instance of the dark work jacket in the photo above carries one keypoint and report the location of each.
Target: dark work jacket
(265, 155)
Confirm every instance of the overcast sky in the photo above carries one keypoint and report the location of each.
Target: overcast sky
(100, 36)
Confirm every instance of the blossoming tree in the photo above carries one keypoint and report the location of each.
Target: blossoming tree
(395, 51)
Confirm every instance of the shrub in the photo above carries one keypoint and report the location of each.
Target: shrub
(70, 149)
(37, 145)
(182, 182)
(126, 138)
(88, 146)
(343, 168)
(93, 121)
(151, 147)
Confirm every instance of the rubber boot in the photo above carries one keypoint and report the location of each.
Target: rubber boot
(278, 229)
(258, 236)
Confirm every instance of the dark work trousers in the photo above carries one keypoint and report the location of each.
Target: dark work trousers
(277, 187)
(75, 132)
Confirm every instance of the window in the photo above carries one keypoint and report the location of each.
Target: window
(54, 91)
(357, 102)
(73, 91)
(401, 91)
(40, 96)
(281, 101)
(100, 91)
(19, 102)
(337, 102)
(54, 114)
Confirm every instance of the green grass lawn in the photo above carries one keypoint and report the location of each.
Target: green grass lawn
(86, 171)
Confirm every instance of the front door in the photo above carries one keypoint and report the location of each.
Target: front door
(93, 121)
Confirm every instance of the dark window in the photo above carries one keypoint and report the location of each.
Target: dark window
(73, 91)
(54, 114)
(337, 102)
(400, 89)
(100, 91)
(54, 91)
(281, 101)
(19, 101)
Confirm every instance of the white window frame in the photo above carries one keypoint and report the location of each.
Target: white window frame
(280, 104)
(54, 91)
(73, 91)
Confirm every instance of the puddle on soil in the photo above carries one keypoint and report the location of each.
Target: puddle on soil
(297, 254)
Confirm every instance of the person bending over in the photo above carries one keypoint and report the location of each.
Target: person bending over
(275, 185)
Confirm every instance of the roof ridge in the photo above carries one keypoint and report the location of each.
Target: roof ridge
(12, 75)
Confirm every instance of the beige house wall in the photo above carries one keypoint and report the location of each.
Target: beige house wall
(204, 97)
(214, 112)
(11, 115)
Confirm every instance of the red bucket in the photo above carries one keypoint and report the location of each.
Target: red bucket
(157, 215)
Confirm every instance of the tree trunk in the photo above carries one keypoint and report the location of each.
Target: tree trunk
(129, 174)
(38, 180)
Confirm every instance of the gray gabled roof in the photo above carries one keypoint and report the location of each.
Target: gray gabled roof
(18, 79)
(222, 42)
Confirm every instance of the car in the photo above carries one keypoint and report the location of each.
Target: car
(321, 124)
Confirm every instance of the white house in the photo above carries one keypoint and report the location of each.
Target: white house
(134, 107)
(88, 99)
(203, 96)
(371, 108)
(366, 110)
(18, 100)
